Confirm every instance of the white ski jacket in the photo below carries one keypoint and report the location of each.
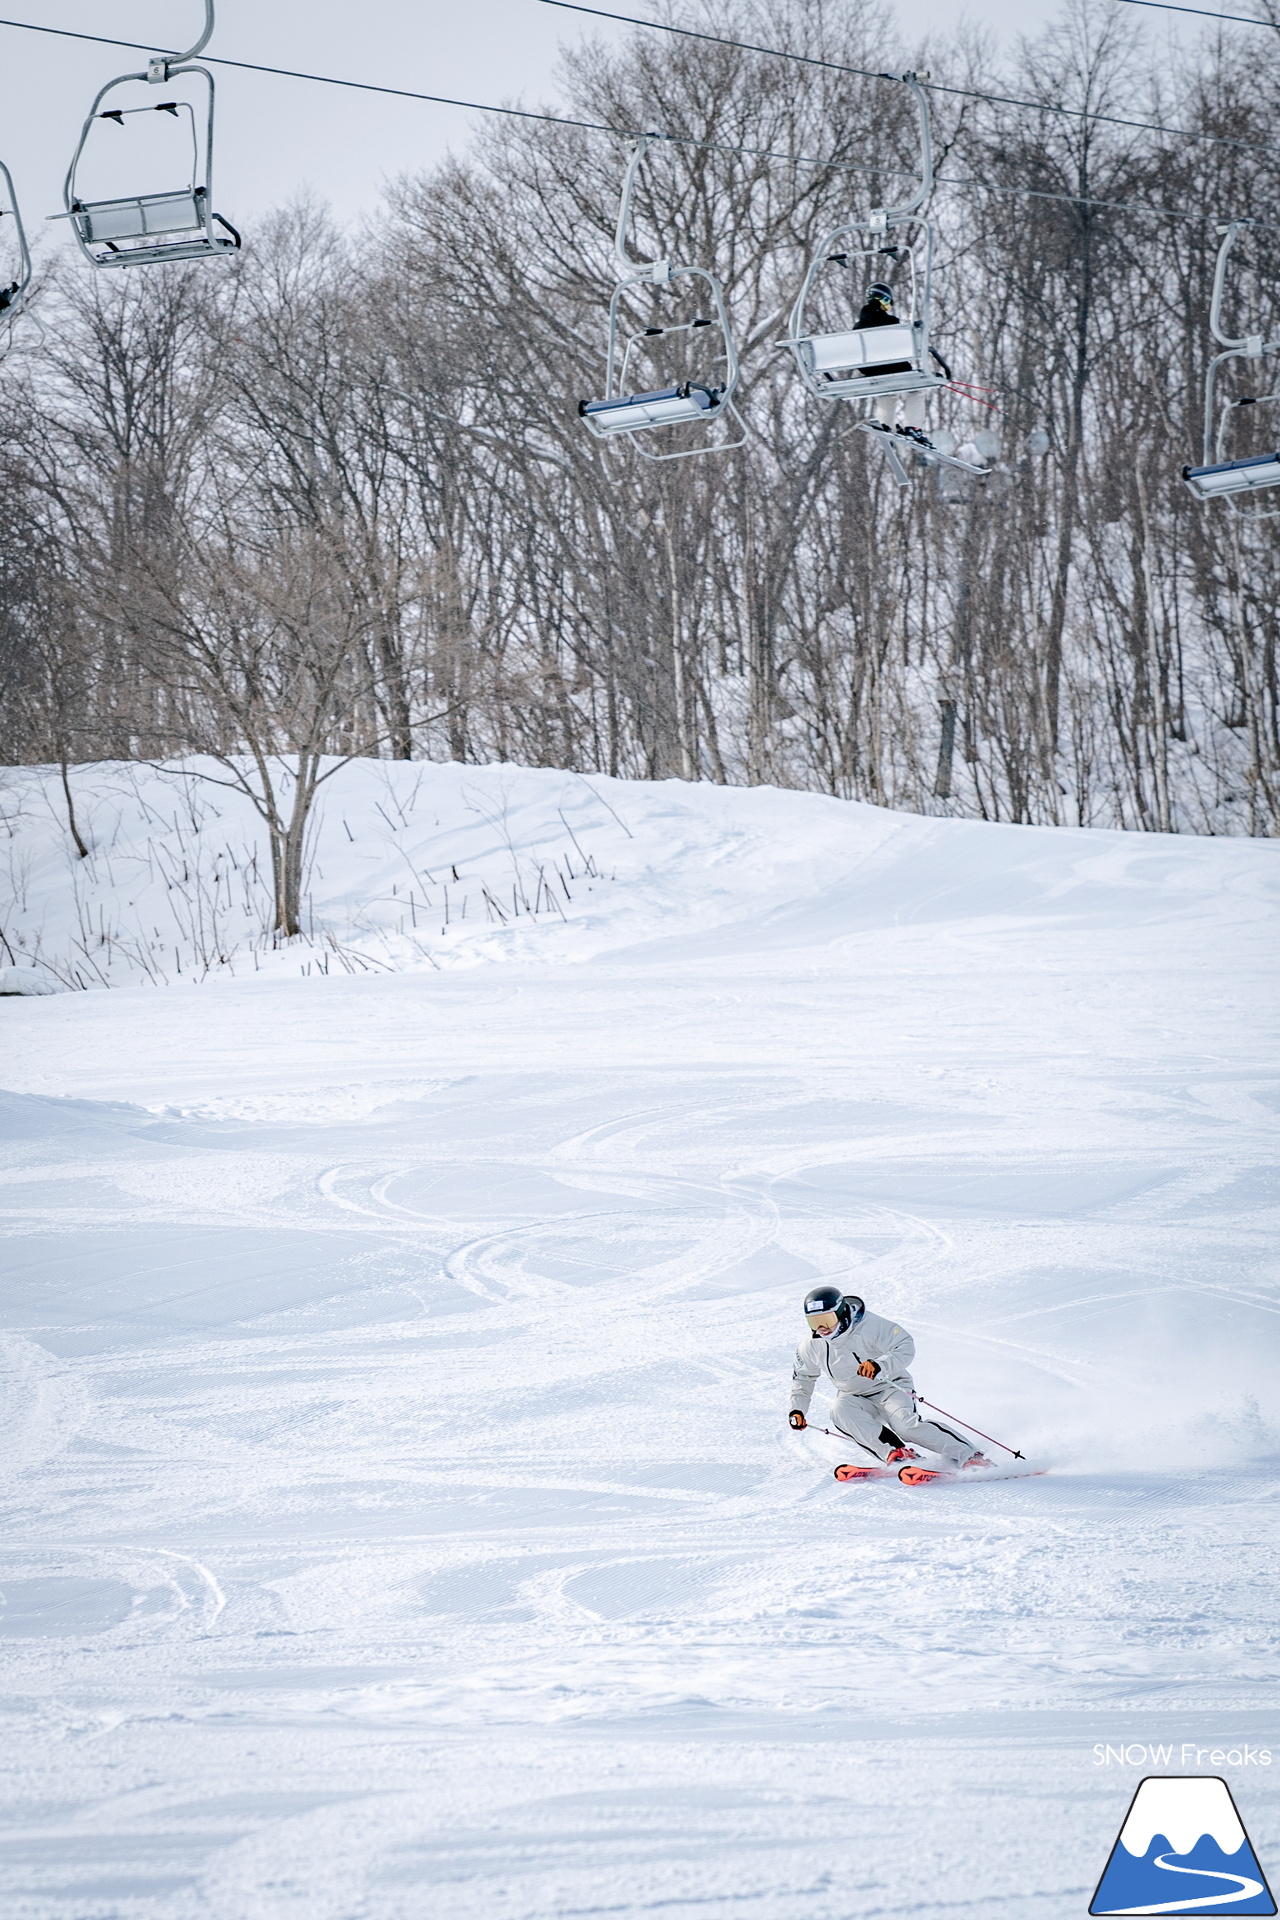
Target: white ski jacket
(839, 1358)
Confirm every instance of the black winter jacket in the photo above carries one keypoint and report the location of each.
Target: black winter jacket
(874, 315)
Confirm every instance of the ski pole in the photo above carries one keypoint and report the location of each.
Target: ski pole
(964, 1423)
(836, 1434)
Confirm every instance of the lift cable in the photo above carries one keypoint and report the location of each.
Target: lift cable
(322, 79)
(1241, 19)
(630, 133)
(934, 86)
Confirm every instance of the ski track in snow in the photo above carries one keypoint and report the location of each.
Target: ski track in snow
(400, 1516)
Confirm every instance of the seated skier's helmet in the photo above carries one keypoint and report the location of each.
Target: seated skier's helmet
(879, 291)
(821, 1302)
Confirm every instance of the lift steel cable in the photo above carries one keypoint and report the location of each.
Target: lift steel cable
(470, 106)
(522, 113)
(934, 86)
(632, 133)
(1240, 19)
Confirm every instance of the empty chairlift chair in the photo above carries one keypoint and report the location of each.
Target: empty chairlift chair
(1217, 477)
(177, 223)
(684, 401)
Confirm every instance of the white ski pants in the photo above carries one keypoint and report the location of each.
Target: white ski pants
(913, 409)
(861, 1416)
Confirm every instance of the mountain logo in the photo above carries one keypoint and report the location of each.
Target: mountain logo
(1182, 1850)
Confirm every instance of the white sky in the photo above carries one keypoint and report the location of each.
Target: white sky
(279, 138)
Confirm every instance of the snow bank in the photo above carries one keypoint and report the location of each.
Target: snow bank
(426, 866)
(409, 867)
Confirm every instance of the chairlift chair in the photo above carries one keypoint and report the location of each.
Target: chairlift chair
(867, 363)
(625, 411)
(1218, 477)
(840, 365)
(13, 298)
(178, 224)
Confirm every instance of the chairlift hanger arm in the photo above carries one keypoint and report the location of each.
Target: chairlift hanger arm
(1230, 234)
(1252, 345)
(623, 265)
(170, 61)
(895, 216)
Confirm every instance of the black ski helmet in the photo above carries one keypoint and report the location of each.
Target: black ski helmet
(880, 292)
(847, 1308)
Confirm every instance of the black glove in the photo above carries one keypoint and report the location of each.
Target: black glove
(797, 1419)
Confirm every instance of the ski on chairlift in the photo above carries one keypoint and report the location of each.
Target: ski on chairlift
(1218, 477)
(13, 297)
(178, 222)
(700, 390)
(881, 356)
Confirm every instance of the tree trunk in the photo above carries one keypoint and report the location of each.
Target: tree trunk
(1158, 689)
(946, 750)
(80, 846)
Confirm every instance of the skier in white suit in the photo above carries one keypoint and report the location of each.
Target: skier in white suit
(866, 1359)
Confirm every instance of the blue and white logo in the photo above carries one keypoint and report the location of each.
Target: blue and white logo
(1182, 1850)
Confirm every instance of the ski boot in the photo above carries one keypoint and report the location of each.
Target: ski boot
(900, 1454)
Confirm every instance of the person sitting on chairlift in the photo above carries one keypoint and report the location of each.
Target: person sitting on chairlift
(878, 311)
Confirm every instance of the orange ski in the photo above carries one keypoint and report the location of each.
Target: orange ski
(921, 1476)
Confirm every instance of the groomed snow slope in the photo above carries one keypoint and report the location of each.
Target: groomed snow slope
(401, 1518)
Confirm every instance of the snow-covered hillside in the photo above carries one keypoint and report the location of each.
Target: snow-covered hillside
(401, 1517)
(409, 867)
